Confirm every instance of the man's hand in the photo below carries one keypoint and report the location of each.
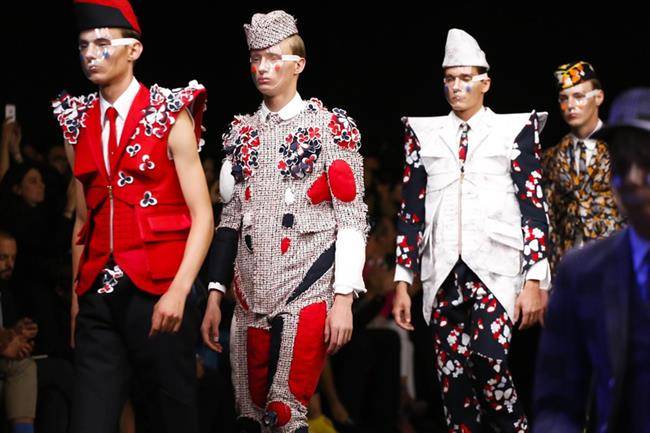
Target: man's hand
(211, 321)
(18, 348)
(530, 305)
(168, 312)
(26, 328)
(338, 326)
(402, 306)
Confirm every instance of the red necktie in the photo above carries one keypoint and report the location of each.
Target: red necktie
(111, 115)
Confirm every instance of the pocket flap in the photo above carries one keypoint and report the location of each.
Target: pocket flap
(506, 233)
(155, 228)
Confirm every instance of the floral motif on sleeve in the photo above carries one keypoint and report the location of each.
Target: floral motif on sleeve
(344, 130)
(164, 106)
(527, 176)
(410, 219)
(241, 143)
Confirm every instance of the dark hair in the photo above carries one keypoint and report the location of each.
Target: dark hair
(628, 145)
(130, 33)
(15, 176)
(6, 235)
(596, 84)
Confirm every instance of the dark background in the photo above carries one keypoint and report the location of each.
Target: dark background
(378, 63)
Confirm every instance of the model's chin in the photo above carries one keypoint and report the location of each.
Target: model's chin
(97, 78)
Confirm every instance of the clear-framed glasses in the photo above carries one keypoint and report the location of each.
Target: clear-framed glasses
(98, 47)
(273, 58)
(578, 97)
(450, 80)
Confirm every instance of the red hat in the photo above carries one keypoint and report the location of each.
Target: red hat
(94, 14)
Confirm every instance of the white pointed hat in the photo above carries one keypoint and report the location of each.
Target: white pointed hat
(462, 49)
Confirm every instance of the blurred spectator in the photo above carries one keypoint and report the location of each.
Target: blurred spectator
(16, 344)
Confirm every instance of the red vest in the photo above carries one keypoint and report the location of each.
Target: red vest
(138, 211)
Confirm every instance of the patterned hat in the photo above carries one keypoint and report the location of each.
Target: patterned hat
(462, 49)
(266, 30)
(95, 14)
(572, 74)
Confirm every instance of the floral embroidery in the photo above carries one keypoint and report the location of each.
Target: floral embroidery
(299, 152)
(132, 150)
(147, 163)
(71, 113)
(314, 105)
(123, 179)
(148, 200)
(110, 279)
(165, 103)
(242, 143)
(344, 130)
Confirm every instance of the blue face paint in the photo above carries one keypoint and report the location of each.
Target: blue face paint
(105, 54)
(468, 88)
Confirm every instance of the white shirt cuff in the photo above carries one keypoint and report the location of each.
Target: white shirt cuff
(349, 261)
(540, 271)
(217, 286)
(403, 274)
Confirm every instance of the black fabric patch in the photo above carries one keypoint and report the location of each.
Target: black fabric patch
(247, 425)
(322, 264)
(277, 326)
(249, 242)
(287, 220)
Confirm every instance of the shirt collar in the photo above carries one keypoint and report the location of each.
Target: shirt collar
(474, 122)
(123, 103)
(640, 249)
(289, 111)
(590, 143)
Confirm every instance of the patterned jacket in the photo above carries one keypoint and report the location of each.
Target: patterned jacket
(580, 206)
(296, 207)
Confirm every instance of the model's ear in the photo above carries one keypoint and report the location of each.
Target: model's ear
(135, 51)
(485, 85)
(300, 66)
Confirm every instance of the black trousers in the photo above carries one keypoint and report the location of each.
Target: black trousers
(112, 347)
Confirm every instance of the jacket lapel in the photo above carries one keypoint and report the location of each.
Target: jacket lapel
(481, 133)
(448, 134)
(94, 132)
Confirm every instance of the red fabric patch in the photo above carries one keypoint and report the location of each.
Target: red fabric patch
(258, 344)
(342, 181)
(247, 193)
(285, 244)
(308, 352)
(319, 190)
(282, 410)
